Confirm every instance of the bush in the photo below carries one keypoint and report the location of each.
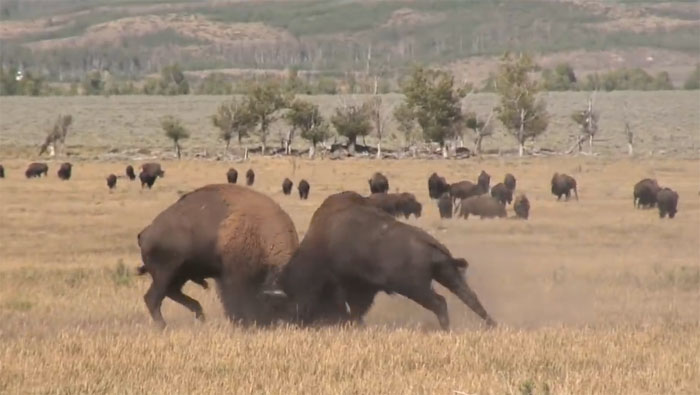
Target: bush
(693, 81)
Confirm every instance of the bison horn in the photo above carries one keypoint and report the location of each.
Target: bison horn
(347, 308)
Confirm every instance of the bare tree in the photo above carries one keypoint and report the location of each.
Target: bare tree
(379, 118)
(56, 137)
(630, 139)
(481, 129)
(588, 122)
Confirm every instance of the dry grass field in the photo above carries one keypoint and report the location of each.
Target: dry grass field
(592, 296)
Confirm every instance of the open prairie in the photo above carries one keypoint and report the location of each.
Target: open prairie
(591, 296)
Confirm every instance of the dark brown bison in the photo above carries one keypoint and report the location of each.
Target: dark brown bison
(522, 207)
(502, 193)
(483, 206)
(384, 255)
(232, 176)
(230, 233)
(153, 168)
(64, 172)
(36, 169)
(467, 189)
(437, 186)
(509, 181)
(147, 179)
(667, 201)
(484, 181)
(445, 206)
(2, 171)
(378, 183)
(562, 184)
(130, 172)
(645, 193)
(249, 177)
(397, 204)
(111, 181)
(304, 188)
(287, 186)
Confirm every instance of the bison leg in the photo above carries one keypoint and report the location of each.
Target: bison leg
(432, 301)
(190, 303)
(154, 299)
(449, 277)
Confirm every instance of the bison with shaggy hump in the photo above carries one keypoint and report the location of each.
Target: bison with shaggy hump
(467, 189)
(111, 181)
(562, 185)
(509, 181)
(397, 204)
(378, 183)
(667, 201)
(36, 169)
(484, 181)
(437, 186)
(287, 185)
(64, 172)
(445, 206)
(153, 168)
(522, 207)
(232, 176)
(502, 193)
(227, 232)
(645, 193)
(385, 255)
(130, 172)
(249, 177)
(483, 206)
(304, 188)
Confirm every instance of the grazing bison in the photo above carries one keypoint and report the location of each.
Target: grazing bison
(378, 183)
(562, 184)
(36, 169)
(64, 172)
(250, 177)
(287, 186)
(483, 205)
(111, 181)
(230, 233)
(384, 255)
(645, 193)
(502, 193)
(232, 176)
(509, 181)
(445, 206)
(667, 200)
(130, 172)
(153, 168)
(304, 188)
(437, 186)
(2, 171)
(522, 207)
(397, 204)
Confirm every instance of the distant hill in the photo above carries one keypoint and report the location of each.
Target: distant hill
(66, 38)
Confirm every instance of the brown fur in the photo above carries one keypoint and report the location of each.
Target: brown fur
(130, 172)
(153, 169)
(304, 188)
(667, 201)
(522, 207)
(484, 206)
(562, 184)
(437, 186)
(111, 181)
(249, 177)
(509, 181)
(502, 193)
(64, 172)
(378, 183)
(232, 176)
(397, 204)
(2, 171)
(445, 206)
(36, 169)
(645, 193)
(287, 185)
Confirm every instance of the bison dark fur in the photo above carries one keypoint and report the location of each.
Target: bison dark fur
(509, 181)
(64, 172)
(667, 201)
(502, 193)
(249, 177)
(287, 185)
(522, 207)
(232, 176)
(483, 206)
(645, 193)
(304, 188)
(562, 184)
(445, 206)
(437, 186)
(2, 171)
(378, 183)
(36, 169)
(130, 172)
(484, 181)
(153, 168)
(111, 181)
(397, 204)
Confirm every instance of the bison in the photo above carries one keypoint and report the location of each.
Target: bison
(111, 181)
(153, 168)
(437, 186)
(130, 172)
(378, 183)
(230, 233)
(36, 169)
(502, 193)
(328, 271)
(667, 201)
(562, 184)
(304, 188)
(249, 177)
(521, 207)
(2, 171)
(445, 206)
(287, 186)
(397, 204)
(64, 172)
(484, 181)
(645, 193)
(232, 176)
(484, 206)
(467, 189)
(147, 179)
(509, 181)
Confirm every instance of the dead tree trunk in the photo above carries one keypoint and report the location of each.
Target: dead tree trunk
(630, 139)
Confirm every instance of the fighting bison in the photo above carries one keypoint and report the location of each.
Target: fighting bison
(522, 207)
(64, 172)
(562, 184)
(445, 206)
(207, 233)
(111, 181)
(467, 189)
(483, 205)
(397, 204)
(232, 176)
(667, 201)
(437, 186)
(304, 188)
(130, 172)
(249, 177)
(509, 181)
(378, 183)
(287, 186)
(645, 193)
(327, 273)
(2, 171)
(36, 169)
(502, 193)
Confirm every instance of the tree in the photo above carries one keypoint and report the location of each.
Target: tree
(435, 103)
(232, 118)
(264, 102)
(352, 121)
(481, 129)
(562, 78)
(306, 117)
(56, 137)
(93, 84)
(693, 81)
(175, 131)
(379, 119)
(522, 114)
(172, 81)
(588, 122)
(406, 123)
